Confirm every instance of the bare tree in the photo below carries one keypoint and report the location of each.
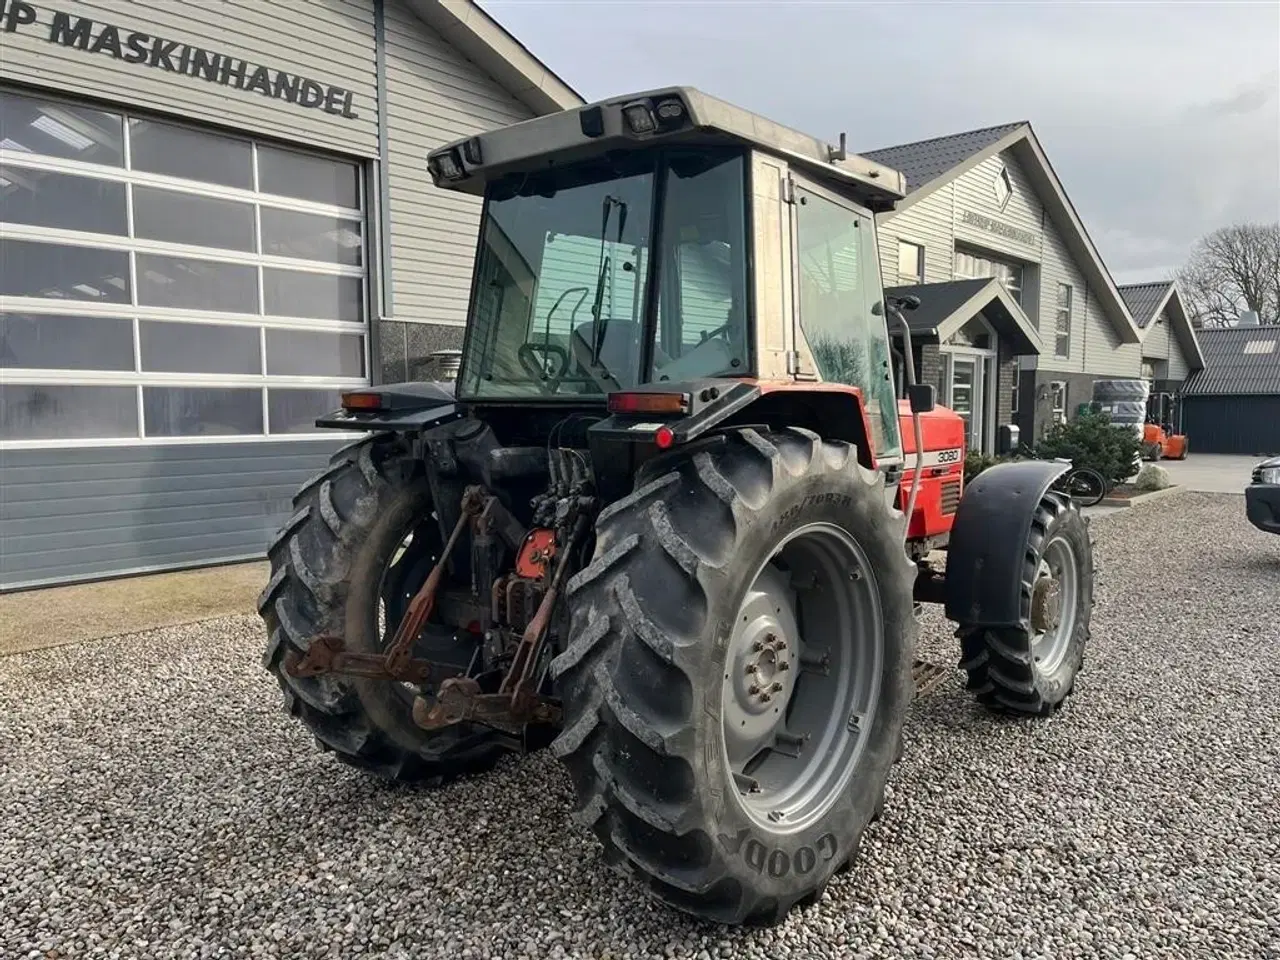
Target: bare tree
(1234, 269)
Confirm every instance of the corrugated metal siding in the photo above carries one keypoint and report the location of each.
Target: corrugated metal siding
(928, 222)
(1155, 345)
(328, 41)
(1239, 425)
(434, 95)
(1058, 267)
(73, 514)
(1104, 354)
(975, 191)
(1179, 364)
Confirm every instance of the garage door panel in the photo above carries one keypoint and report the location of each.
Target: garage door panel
(160, 468)
(145, 512)
(36, 511)
(1241, 425)
(62, 522)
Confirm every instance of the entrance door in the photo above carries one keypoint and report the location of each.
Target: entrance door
(967, 395)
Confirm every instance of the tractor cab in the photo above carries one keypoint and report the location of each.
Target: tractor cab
(667, 238)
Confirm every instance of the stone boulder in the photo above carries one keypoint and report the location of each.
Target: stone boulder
(1152, 477)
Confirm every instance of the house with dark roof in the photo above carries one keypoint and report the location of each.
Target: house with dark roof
(1170, 349)
(1232, 405)
(1018, 313)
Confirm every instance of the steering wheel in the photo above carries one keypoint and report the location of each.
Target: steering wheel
(534, 356)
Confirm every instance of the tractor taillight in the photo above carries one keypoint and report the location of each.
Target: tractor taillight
(664, 438)
(361, 400)
(672, 403)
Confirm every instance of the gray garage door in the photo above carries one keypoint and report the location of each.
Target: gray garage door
(176, 307)
(1239, 425)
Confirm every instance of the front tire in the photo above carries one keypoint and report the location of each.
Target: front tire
(656, 711)
(1032, 669)
(332, 568)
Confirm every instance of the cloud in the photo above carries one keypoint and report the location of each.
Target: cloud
(1162, 120)
(1251, 98)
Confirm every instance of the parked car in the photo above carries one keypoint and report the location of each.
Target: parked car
(1262, 496)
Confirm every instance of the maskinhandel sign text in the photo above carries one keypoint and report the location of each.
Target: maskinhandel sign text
(174, 56)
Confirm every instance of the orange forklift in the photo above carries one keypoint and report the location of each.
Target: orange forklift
(1158, 438)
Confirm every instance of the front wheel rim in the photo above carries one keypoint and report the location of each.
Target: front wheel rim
(802, 677)
(1054, 600)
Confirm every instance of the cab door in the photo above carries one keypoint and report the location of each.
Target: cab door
(836, 283)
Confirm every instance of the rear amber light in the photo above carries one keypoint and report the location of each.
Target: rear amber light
(362, 401)
(677, 403)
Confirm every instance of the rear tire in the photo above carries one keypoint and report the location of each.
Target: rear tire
(327, 568)
(1023, 669)
(646, 678)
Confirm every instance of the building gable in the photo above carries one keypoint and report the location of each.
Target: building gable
(1019, 144)
(993, 209)
(1167, 333)
(927, 160)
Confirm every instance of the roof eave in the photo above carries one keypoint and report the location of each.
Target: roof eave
(1155, 314)
(1180, 317)
(1107, 292)
(1060, 210)
(484, 41)
(978, 301)
(918, 194)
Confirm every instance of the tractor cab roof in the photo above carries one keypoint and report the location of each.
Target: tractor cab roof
(671, 115)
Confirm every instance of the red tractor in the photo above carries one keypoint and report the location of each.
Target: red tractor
(672, 518)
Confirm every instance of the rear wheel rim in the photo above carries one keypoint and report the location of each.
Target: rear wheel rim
(802, 677)
(403, 575)
(1056, 591)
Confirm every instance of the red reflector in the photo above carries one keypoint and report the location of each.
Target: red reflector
(648, 403)
(362, 401)
(664, 438)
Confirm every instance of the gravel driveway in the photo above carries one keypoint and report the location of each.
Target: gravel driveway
(155, 802)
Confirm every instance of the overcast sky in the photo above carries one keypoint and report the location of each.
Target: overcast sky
(1161, 119)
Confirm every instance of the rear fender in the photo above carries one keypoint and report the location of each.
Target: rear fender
(831, 410)
(989, 542)
(405, 408)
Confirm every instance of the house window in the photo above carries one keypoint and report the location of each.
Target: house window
(1003, 187)
(159, 281)
(973, 266)
(910, 262)
(1016, 374)
(1062, 340)
(1058, 400)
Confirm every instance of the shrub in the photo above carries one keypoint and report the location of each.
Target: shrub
(1092, 441)
(976, 461)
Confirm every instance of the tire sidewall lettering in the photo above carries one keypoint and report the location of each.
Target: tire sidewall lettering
(777, 862)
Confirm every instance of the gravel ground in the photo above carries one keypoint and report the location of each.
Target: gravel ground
(155, 802)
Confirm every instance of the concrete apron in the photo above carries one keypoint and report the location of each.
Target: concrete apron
(54, 616)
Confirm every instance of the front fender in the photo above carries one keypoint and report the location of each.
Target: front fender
(988, 542)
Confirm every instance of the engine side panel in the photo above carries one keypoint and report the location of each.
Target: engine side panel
(942, 482)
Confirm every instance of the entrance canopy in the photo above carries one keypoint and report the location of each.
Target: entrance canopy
(945, 309)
